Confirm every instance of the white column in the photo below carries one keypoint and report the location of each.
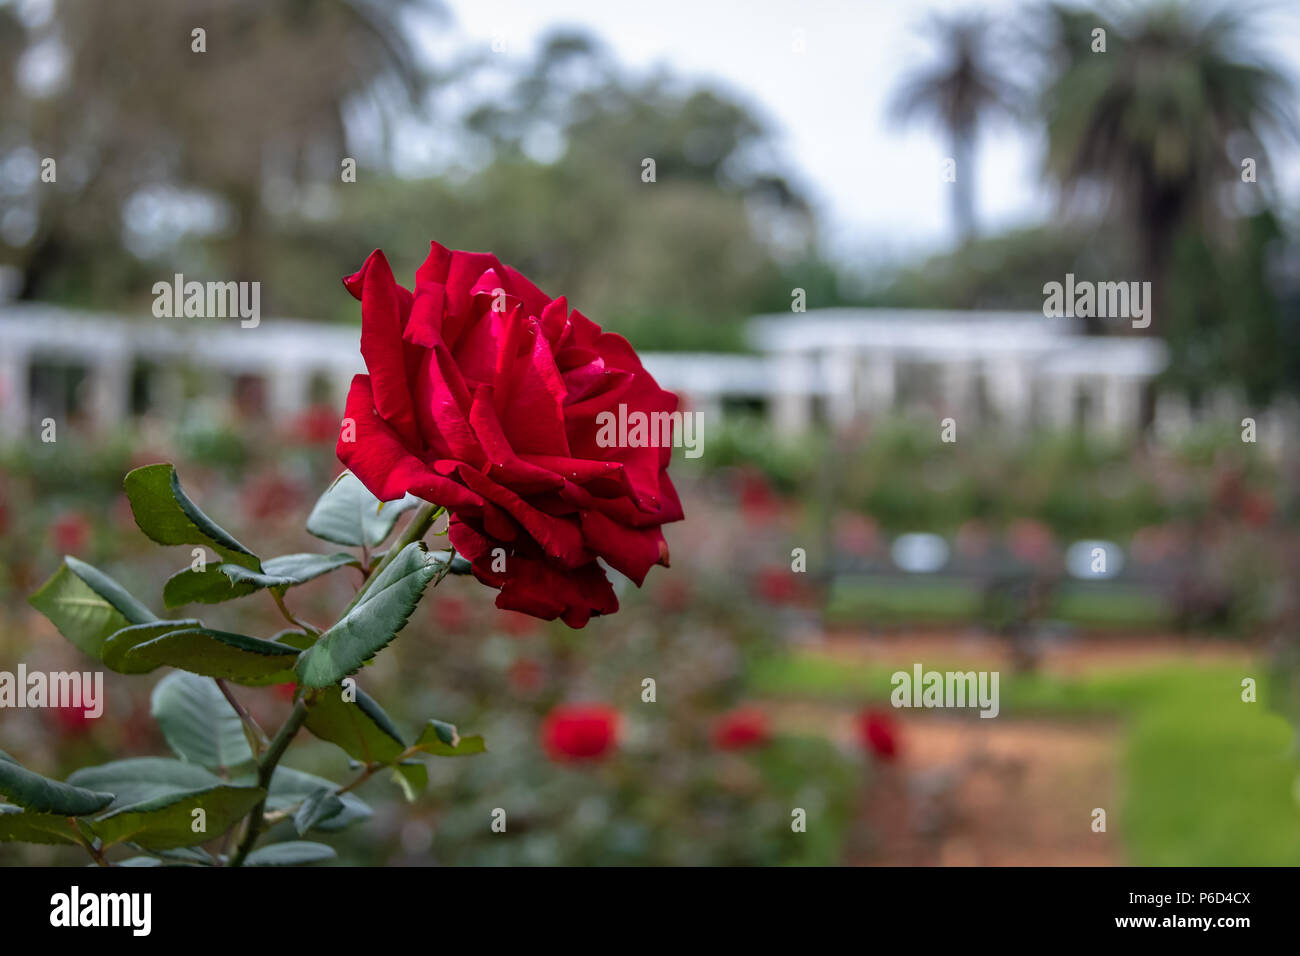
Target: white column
(14, 407)
(1121, 402)
(286, 387)
(1010, 391)
(792, 392)
(839, 368)
(881, 382)
(109, 389)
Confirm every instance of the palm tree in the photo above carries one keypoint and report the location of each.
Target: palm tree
(959, 91)
(1149, 121)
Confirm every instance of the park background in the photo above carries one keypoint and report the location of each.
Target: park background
(796, 147)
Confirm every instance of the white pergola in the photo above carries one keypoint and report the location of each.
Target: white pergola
(1022, 366)
(852, 363)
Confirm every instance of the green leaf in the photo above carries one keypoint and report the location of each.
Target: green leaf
(361, 729)
(225, 582)
(142, 779)
(168, 516)
(169, 821)
(31, 791)
(115, 648)
(199, 723)
(87, 606)
(19, 826)
(290, 787)
(209, 586)
(290, 853)
(349, 514)
(373, 622)
(441, 740)
(202, 650)
(290, 569)
(413, 777)
(320, 806)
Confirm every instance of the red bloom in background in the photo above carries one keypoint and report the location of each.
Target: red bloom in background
(70, 533)
(315, 425)
(878, 734)
(71, 721)
(741, 728)
(779, 585)
(525, 675)
(575, 732)
(483, 397)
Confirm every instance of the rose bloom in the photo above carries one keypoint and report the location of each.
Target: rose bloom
(878, 734)
(483, 397)
(741, 728)
(577, 732)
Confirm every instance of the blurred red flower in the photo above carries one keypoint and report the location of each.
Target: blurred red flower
(316, 425)
(573, 732)
(757, 499)
(878, 734)
(525, 675)
(1030, 541)
(272, 496)
(778, 585)
(70, 533)
(1256, 509)
(449, 613)
(71, 721)
(741, 728)
(517, 624)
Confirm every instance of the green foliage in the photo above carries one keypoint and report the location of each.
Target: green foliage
(166, 514)
(87, 606)
(201, 650)
(199, 723)
(38, 794)
(349, 514)
(372, 622)
(227, 769)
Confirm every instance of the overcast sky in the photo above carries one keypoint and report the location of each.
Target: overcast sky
(877, 186)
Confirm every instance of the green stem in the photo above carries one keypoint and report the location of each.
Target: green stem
(265, 769)
(252, 730)
(416, 529)
(288, 615)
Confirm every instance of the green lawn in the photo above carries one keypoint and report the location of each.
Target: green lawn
(1208, 779)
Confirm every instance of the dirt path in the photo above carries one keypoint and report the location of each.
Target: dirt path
(1015, 794)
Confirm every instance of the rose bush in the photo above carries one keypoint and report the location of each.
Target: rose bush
(482, 396)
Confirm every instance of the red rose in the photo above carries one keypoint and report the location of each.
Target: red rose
(878, 734)
(579, 732)
(743, 727)
(482, 396)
